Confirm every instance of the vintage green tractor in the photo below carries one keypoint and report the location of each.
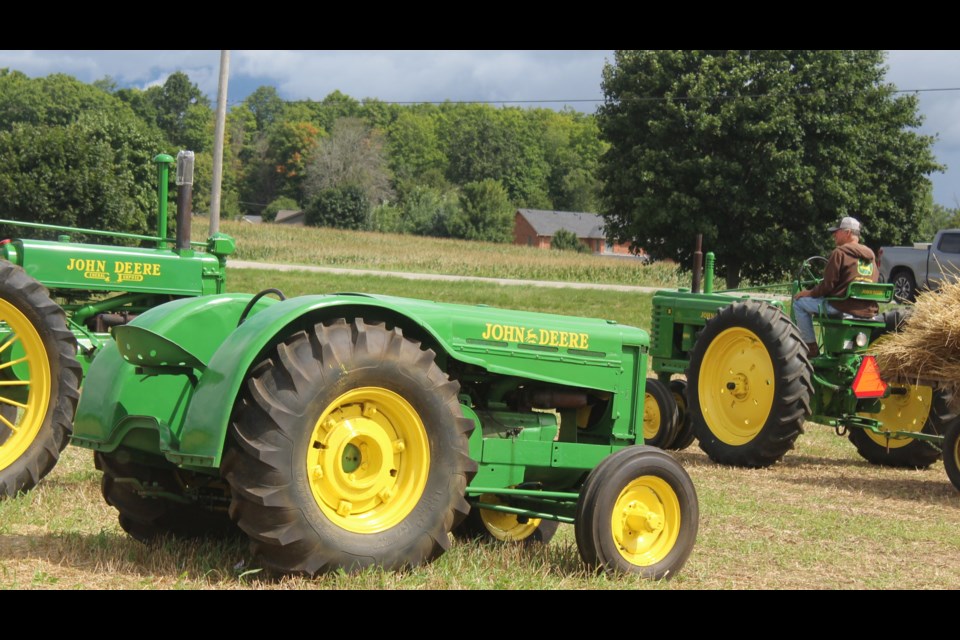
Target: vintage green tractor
(347, 430)
(749, 385)
(337, 431)
(58, 300)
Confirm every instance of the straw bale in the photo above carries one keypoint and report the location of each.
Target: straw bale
(927, 347)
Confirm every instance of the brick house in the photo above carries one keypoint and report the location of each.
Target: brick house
(535, 228)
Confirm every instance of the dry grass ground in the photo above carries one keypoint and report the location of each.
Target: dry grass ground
(821, 519)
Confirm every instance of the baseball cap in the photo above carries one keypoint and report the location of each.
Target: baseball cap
(849, 223)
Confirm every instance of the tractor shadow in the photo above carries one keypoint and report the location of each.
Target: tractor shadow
(114, 560)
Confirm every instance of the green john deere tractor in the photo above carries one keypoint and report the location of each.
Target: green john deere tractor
(749, 385)
(336, 431)
(58, 300)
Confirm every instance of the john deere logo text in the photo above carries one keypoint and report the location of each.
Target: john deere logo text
(543, 337)
(121, 271)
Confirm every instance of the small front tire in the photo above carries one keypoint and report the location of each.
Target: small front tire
(637, 513)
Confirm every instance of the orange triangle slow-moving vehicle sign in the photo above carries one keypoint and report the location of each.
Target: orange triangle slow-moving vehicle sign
(869, 383)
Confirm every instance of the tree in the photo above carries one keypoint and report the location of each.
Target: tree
(280, 204)
(344, 207)
(485, 213)
(72, 154)
(564, 240)
(352, 155)
(759, 151)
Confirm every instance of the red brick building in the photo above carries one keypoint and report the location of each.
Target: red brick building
(536, 228)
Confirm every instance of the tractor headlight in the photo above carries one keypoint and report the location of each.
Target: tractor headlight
(859, 340)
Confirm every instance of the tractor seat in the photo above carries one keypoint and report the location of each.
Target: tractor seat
(878, 292)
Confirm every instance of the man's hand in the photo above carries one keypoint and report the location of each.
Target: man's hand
(802, 294)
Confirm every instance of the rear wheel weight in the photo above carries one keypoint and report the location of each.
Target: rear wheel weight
(749, 385)
(39, 381)
(348, 449)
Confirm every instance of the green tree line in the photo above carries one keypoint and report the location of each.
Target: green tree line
(455, 170)
(757, 150)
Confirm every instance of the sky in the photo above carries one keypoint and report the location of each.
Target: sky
(543, 78)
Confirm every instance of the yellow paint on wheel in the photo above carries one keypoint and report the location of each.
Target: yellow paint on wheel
(506, 526)
(907, 411)
(25, 384)
(646, 521)
(368, 460)
(651, 417)
(736, 386)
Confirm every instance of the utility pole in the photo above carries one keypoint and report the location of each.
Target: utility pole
(218, 143)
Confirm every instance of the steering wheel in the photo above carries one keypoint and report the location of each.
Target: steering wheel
(810, 272)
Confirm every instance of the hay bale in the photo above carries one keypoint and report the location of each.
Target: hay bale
(927, 347)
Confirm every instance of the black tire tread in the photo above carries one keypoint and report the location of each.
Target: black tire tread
(685, 434)
(669, 416)
(257, 462)
(792, 392)
(148, 519)
(600, 491)
(49, 319)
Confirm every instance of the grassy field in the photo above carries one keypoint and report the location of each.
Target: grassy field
(821, 519)
(389, 252)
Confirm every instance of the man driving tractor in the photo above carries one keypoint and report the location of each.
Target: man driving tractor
(850, 262)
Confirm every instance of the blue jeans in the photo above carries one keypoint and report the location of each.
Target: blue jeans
(803, 310)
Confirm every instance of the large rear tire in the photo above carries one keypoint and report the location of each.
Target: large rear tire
(348, 449)
(750, 385)
(39, 381)
(148, 518)
(637, 513)
(919, 409)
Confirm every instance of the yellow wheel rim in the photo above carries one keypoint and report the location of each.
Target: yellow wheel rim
(902, 412)
(24, 365)
(646, 521)
(651, 417)
(368, 460)
(505, 526)
(736, 386)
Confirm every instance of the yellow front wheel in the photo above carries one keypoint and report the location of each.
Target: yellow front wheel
(39, 381)
(638, 513)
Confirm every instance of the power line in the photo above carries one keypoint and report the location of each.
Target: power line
(599, 100)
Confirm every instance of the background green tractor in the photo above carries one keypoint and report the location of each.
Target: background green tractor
(58, 300)
(341, 431)
(750, 386)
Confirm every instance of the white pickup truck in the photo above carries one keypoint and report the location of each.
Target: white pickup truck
(923, 266)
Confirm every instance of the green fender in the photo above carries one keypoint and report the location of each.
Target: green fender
(580, 352)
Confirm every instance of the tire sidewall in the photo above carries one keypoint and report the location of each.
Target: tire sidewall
(749, 315)
(438, 419)
(60, 404)
(613, 482)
